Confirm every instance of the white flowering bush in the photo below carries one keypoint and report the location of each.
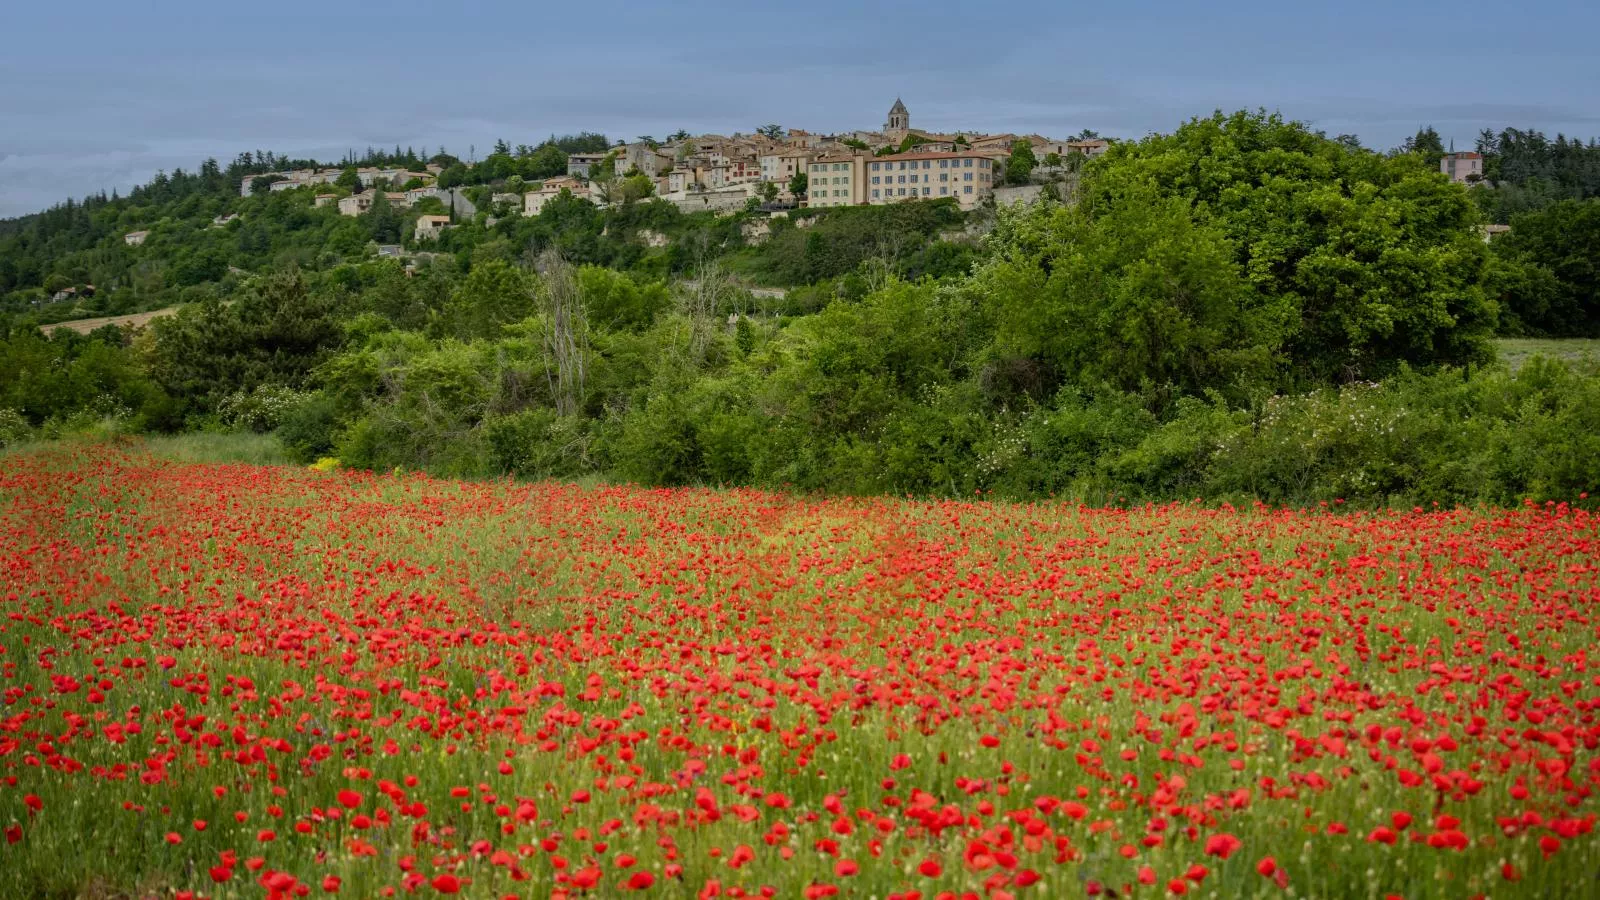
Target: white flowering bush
(262, 409)
(13, 427)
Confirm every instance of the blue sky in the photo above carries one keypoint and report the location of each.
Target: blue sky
(100, 95)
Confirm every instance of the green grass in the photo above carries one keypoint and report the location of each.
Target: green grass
(210, 447)
(1516, 351)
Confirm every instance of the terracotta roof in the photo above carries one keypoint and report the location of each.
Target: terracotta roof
(932, 155)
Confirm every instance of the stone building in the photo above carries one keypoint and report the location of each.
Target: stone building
(968, 176)
(1462, 167)
(899, 121)
(836, 180)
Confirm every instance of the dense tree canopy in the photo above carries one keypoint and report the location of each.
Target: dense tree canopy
(1551, 280)
(1240, 253)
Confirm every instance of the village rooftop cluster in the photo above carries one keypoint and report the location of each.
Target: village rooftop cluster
(718, 172)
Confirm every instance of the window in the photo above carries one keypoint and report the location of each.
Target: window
(874, 167)
(983, 164)
(967, 189)
(966, 176)
(902, 179)
(902, 165)
(927, 164)
(926, 191)
(902, 192)
(966, 163)
(874, 191)
(944, 176)
(874, 181)
(944, 191)
(944, 163)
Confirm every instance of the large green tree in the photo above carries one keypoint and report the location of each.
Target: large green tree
(1349, 263)
(1139, 293)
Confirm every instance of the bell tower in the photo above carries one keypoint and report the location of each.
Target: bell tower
(899, 121)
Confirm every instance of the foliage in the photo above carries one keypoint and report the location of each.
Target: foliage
(1551, 282)
(14, 428)
(1426, 144)
(839, 241)
(261, 410)
(1021, 163)
(1137, 291)
(275, 333)
(1200, 324)
(67, 376)
(1355, 262)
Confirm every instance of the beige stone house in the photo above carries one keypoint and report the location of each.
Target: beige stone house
(1463, 167)
(429, 227)
(784, 165)
(534, 201)
(1090, 148)
(578, 164)
(355, 204)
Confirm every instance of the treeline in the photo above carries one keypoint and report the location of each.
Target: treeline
(1242, 309)
(80, 242)
(1528, 172)
(524, 162)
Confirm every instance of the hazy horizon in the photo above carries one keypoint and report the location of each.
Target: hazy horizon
(104, 96)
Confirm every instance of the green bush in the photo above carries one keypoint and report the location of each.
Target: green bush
(309, 429)
(539, 443)
(14, 428)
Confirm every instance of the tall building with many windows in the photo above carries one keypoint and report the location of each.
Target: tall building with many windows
(836, 180)
(968, 176)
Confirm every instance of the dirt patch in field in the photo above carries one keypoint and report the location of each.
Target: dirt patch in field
(134, 320)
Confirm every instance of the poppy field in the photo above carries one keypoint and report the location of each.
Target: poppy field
(242, 681)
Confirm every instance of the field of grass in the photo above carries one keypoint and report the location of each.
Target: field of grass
(208, 447)
(235, 680)
(1516, 351)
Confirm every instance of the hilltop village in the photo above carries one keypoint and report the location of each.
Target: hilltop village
(777, 168)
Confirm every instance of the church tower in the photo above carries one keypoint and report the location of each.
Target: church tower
(899, 120)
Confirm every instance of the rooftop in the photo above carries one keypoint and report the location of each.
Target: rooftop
(933, 155)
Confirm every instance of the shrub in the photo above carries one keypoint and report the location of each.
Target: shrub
(14, 427)
(262, 409)
(540, 443)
